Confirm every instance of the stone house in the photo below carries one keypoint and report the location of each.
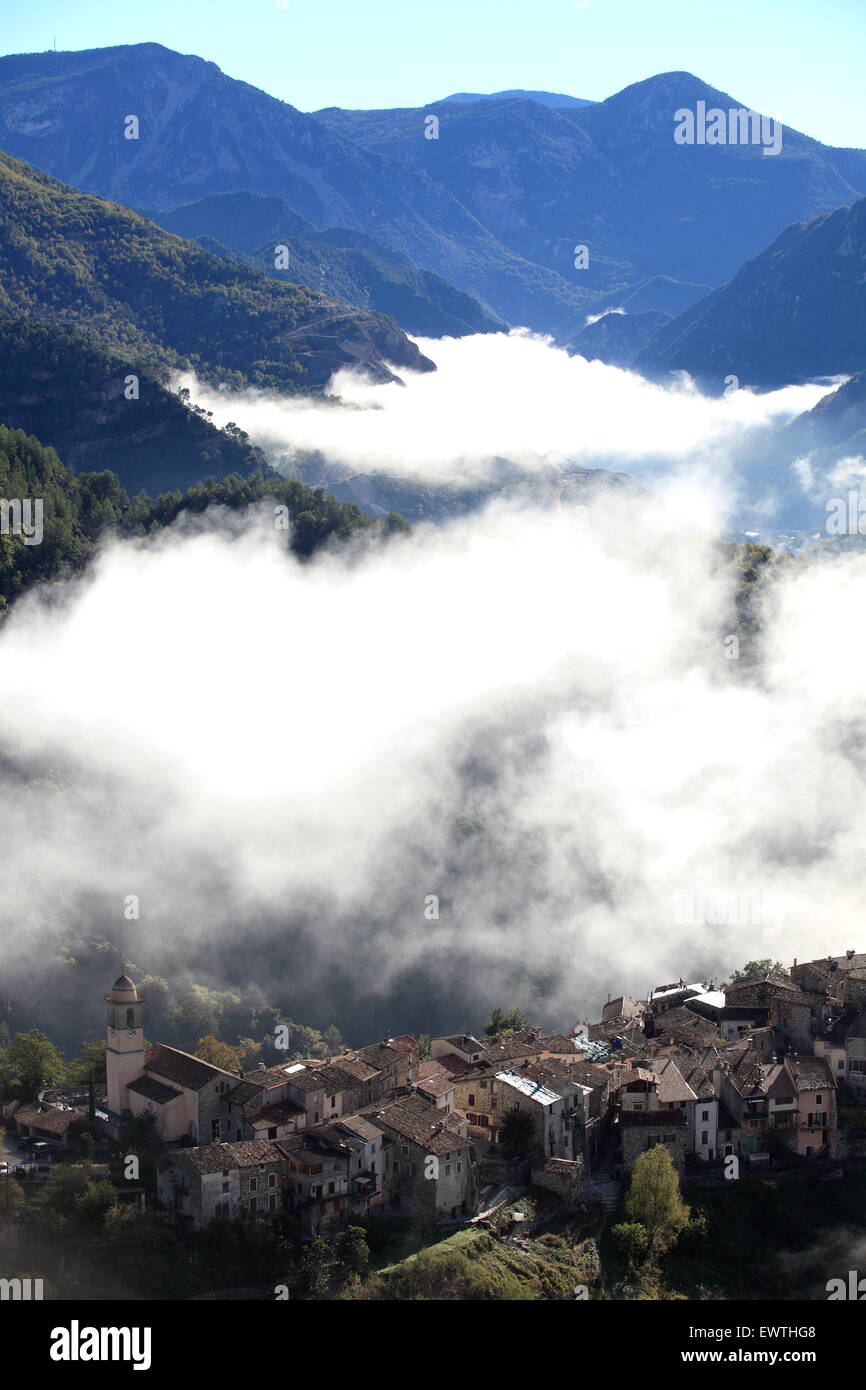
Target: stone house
(319, 1176)
(335, 1173)
(473, 1065)
(557, 1106)
(428, 1164)
(794, 1013)
(217, 1180)
(639, 1130)
(561, 1176)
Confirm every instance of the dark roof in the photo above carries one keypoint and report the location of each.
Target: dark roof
(356, 1067)
(508, 1045)
(327, 1078)
(320, 1139)
(466, 1042)
(683, 1026)
(589, 1074)
(152, 1089)
(266, 1076)
(695, 1072)
(380, 1055)
(850, 1024)
(414, 1118)
(245, 1091)
(277, 1114)
(182, 1068)
(246, 1153)
(455, 1065)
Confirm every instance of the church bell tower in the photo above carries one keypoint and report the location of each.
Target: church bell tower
(124, 1055)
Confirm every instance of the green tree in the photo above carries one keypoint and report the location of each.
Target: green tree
(505, 1021)
(29, 1064)
(91, 1058)
(758, 970)
(11, 1196)
(317, 1264)
(425, 1046)
(352, 1250)
(219, 1054)
(654, 1200)
(94, 1202)
(517, 1133)
(63, 1189)
(631, 1240)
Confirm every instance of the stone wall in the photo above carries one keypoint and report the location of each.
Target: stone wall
(562, 1176)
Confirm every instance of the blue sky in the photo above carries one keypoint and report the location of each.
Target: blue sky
(803, 62)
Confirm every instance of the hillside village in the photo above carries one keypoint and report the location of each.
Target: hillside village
(760, 1071)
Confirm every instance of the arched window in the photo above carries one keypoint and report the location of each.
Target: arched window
(130, 1018)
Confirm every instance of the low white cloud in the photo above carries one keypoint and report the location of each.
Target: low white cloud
(530, 714)
(511, 397)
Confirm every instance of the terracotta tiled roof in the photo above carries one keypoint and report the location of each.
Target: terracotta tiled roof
(50, 1120)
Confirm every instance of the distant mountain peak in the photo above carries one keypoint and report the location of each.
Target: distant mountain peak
(554, 99)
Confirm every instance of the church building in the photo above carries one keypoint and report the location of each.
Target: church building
(182, 1092)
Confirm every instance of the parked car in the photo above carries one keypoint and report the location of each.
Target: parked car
(4, 1167)
(43, 1150)
(25, 1142)
(19, 1171)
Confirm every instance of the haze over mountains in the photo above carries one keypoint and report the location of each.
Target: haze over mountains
(610, 174)
(457, 235)
(795, 312)
(342, 262)
(495, 205)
